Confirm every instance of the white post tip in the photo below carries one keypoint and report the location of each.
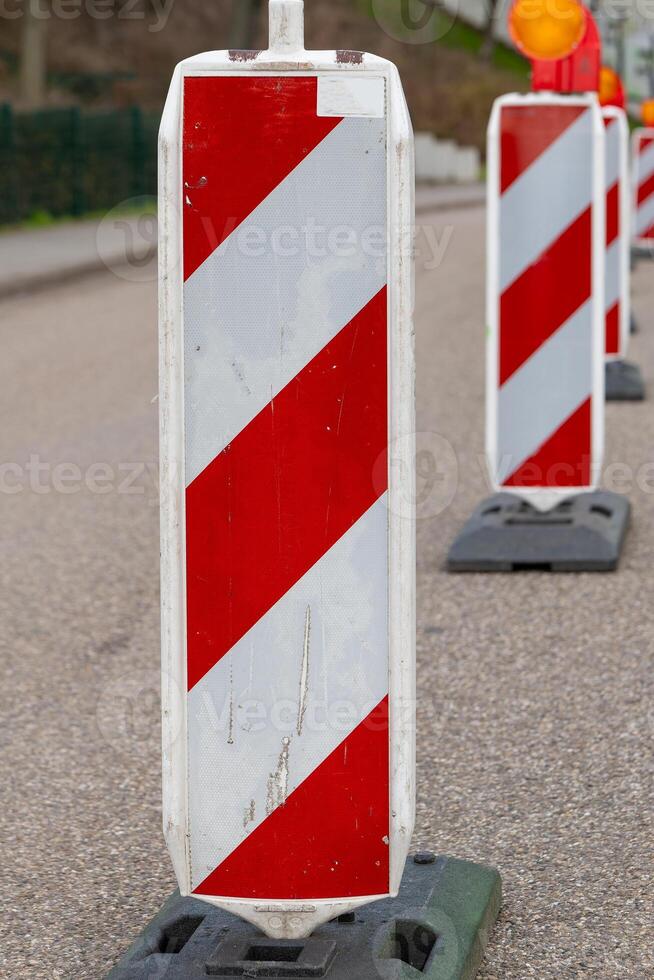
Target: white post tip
(286, 25)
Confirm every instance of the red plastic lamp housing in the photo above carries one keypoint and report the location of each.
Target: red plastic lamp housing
(611, 89)
(578, 72)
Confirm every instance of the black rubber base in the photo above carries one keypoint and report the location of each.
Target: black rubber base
(438, 927)
(624, 382)
(639, 252)
(506, 534)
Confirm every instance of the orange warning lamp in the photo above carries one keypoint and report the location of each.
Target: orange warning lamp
(544, 30)
(647, 113)
(561, 39)
(611, 89)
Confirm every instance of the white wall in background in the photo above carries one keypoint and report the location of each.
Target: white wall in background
(444, 162)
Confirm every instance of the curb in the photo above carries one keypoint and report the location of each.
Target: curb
(54, 277)
(463, 203)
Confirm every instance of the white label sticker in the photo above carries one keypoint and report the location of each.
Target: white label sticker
(340, 95)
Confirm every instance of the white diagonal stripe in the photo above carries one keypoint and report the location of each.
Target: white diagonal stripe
(546, 199)
(289, 692)
(304, 263)
(544, 392)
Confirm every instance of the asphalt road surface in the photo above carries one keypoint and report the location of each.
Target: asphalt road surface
(535, 692)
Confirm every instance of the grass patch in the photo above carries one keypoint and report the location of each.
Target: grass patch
(43, 219)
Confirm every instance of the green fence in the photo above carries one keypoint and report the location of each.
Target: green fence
(69, 162)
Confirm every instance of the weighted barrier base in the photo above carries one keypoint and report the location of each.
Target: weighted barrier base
(506, 534)
(438, 928)
(624, 382)
(639, 252)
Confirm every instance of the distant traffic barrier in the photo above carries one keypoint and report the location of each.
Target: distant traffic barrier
(67, 162)
(643, 184)
(546, 315)
(623, 380)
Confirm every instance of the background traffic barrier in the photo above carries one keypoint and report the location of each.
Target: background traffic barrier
(546, 307)
(643, 189)
(546, 342)
(623, 380)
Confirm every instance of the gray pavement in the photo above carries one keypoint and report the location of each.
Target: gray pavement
(535, 692)
(448, 197)
(33, 258)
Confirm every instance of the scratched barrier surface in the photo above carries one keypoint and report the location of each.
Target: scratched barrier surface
(287, 559)
(546, 317)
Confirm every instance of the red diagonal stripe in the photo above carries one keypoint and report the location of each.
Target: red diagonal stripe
(330, 838)
(644, 142)
(648, 233)
(286, 488)
(545, 295)
(564, 459)
(526, 132)
(612, 214)
(613, 330)
(646, 189)
(242, 137)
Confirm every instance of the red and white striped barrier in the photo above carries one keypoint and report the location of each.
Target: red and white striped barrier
(546, 235)
(287, 578)
(643, 185)
(617, 297)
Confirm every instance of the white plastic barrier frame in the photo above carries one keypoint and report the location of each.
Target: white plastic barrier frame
(285, 57)
(623, 242)
(542, 497)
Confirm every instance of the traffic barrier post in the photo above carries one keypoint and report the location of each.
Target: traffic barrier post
(283, 346)
(287, 559)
